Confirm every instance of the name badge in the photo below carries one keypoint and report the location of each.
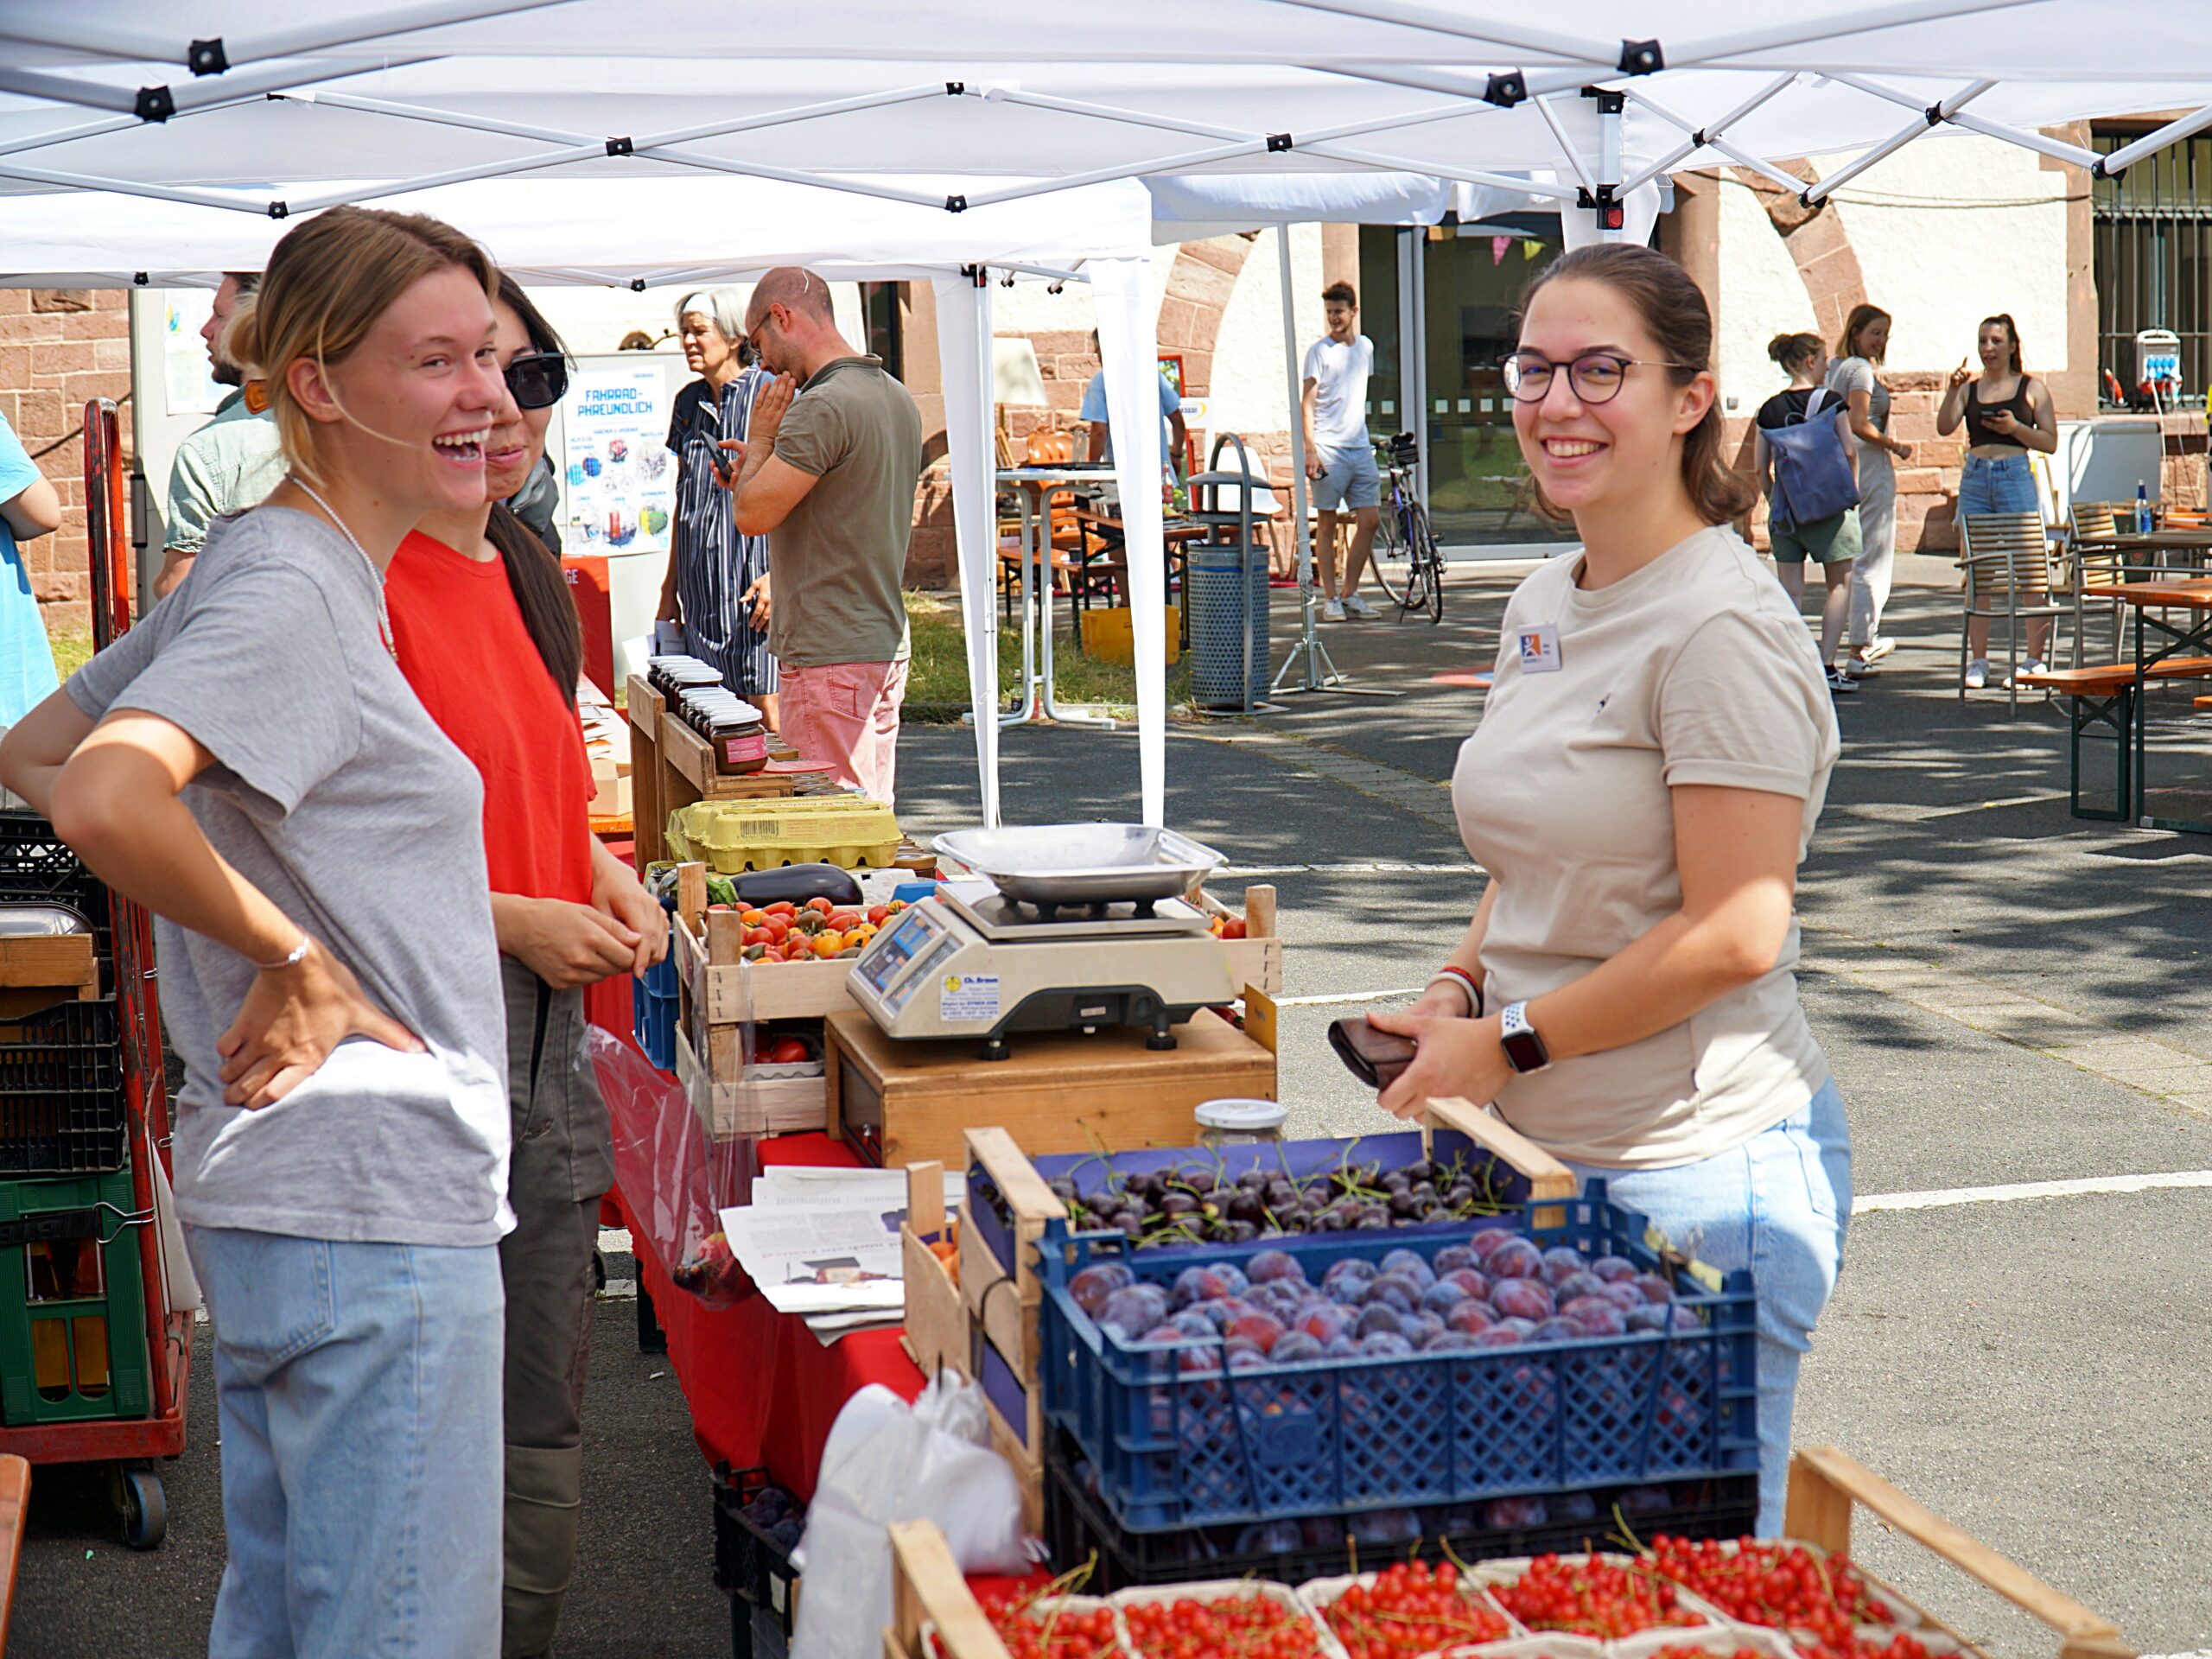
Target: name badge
(1538, 648)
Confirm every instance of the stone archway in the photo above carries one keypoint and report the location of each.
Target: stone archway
(1199, 283)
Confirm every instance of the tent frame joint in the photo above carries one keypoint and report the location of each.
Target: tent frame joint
(620, 147)
(1641, 58)
(1278, 142)
(208, 57)
(958, 205)
(154, 103)
(1934, 115)
(1506, 90)
(1610, 102)
(279, 210)
(955, 89)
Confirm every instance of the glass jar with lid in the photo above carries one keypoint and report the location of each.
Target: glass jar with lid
(1240, 1122)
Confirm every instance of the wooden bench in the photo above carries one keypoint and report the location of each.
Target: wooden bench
(2104, 694)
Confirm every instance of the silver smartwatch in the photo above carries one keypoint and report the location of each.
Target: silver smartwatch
(1524, 1050)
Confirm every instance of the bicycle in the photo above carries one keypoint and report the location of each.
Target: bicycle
(1407, 562)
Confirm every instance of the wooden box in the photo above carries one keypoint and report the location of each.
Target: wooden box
(900, 1101)
(39, 970)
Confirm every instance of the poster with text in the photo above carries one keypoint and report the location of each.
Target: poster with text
(621, 478)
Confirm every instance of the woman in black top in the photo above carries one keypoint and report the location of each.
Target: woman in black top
(717, 579)
(2007, 412)
(1834, 542)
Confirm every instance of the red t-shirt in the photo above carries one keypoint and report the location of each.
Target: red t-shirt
(463, 647)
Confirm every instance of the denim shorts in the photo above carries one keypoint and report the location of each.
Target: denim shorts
(1998, 484)
(1350, 478)
(1778, 1204)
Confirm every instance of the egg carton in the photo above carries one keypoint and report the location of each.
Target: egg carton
(1320, 1595)
(1223, 1590)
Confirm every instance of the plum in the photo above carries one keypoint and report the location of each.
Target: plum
(1385, 1343)
(1391, 1293)
(1326, 1322)
(1345, 1272)
(1625, 1297)
(1342, 1347)
(1560, 1261)
(1613, 1269)
(1474, 1283)
(1193, 1323)
(1409, 1264)
(787, 1533)
(1557, 1329)
(1248, 1359)
(1198, 1361)
(1647, 1318)
(1655, 1288)
(1377, 1316)
(1511, 1334)
(1471, 1317)
(1454, 1257)
(1442, 1296)
(1133, 1310)
(1486, 1243)
(1293, 1347)
(1093, 1285)
(1596, 1317)
(1386, 1527)
(1233, 1276)
(1510, 1514)
(1515, 1259)
(1269, 1265)
(1574, 1509)
(1522, 1299)
(1263, 1330)
(1446, 1342)
(1578, 1283)
(1196, 1285)
(1645, 1500)
(1416, 1327)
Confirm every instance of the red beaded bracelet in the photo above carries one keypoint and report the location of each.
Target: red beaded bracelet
(1453, 970)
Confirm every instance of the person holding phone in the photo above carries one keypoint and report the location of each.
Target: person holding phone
(717, 580)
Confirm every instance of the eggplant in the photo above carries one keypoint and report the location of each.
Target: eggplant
(797, 883)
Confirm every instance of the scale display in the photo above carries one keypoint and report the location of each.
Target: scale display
(879, 966)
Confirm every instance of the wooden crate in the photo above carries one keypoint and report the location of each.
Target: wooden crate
(1826, 1485)
(927, 1586)
(1255, 959)
(936, 1321)
(757, 1107)
(39, 970)
(1058, 1092)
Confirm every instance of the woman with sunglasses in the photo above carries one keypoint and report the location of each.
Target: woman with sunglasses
(1651, 762)
(487, 636)
(717, 581)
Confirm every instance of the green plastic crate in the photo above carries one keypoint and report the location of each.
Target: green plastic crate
(73, 1310)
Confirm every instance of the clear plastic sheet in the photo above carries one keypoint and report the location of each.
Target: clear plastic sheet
(674, 1178)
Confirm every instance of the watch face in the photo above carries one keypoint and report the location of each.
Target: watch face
(1524, 1051)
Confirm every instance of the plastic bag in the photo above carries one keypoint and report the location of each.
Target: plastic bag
(885, 1462)
(675, 1179)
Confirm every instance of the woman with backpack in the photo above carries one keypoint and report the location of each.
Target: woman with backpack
(1865, 342)
(2007, 412)
(1820, 423)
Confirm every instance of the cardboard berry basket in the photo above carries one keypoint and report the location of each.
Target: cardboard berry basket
(1730, 1642)
(1042, 1613)
(1319, 1595)
(1223, 1590)
(1550, 1645)
(1702, 1620)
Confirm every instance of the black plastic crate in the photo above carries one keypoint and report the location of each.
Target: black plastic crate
(750, 1567)
(62, 1091)
(1078, 1528)
(37, 866)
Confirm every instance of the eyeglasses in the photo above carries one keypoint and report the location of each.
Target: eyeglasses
(537, 379)
(752, 340)
(1595, 376)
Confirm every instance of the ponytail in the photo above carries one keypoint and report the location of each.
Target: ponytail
(542, 593)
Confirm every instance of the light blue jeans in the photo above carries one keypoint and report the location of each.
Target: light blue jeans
(1998, 484)
(358, 1389)
(1778, 1204)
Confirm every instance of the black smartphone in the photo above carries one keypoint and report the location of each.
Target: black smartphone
(707, 424)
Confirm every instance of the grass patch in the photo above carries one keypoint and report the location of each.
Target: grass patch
(937, 678)
(71, 651)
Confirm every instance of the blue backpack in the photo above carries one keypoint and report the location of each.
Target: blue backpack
(1811, 474)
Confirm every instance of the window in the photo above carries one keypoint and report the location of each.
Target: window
(883, 305)
(2152, 259)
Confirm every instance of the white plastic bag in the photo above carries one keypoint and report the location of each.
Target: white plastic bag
(888, 1462)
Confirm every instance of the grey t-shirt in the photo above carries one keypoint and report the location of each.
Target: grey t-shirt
(335, 795)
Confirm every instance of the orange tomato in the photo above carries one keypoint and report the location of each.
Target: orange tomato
(827, 944)
(751, 918)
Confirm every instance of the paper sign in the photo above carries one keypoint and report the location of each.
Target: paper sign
(968, 996)
(620, 477)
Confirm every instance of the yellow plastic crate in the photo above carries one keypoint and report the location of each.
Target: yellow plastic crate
(732, 836)
(1109, 635)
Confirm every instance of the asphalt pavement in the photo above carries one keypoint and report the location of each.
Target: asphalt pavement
(2011, 998)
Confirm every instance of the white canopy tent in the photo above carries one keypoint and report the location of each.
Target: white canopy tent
(954, 108)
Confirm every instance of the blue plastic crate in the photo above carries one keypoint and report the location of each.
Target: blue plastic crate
(652, 1011)
(1171, 1448)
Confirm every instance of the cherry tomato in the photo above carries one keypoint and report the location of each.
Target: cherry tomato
(820, 906)
(788, 1051)
(844, 920)
(827, 943)
(878, 914)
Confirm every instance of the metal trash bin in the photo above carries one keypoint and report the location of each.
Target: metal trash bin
(1229, 625)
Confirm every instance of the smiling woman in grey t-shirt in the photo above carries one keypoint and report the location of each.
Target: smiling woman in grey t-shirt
(249, 765)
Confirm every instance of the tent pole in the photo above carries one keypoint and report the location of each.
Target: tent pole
(1609, 106)
(2127, 155)
(1309, 649)
(1890, 146)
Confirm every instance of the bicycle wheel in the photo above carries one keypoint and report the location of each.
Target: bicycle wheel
(1392, 559)
(1425, 587)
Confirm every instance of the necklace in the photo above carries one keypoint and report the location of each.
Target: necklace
(384, 613)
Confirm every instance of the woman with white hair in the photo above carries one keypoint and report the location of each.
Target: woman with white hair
(717, 581)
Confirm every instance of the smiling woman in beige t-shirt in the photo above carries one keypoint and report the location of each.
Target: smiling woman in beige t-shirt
(1647, 773)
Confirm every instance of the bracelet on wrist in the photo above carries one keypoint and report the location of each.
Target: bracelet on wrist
(299, 955)
(1452, 974)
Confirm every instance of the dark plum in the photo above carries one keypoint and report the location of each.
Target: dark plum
(1511, 1334)
(1578, 1283)
(1645, 1500)
(1198, 1285)
(1515, 1259)
(1417, 1327)
(1263, 1330)
(1271, 1538)
(1292, 1347)
(1386, 1527)
(1385, 1343)
(1596, 1317)
(1440, 1297)
(1557, 1329)
(1574, 1509)
(1342, 1347)
(1134, 1310)
(1409, 1264)
(1273, 1264)
(1093, 1285)
(1627, 1298)
(1391, 1293)
(1562, 1261)
(1655, 1288)
(1613, 1269)
(1376, 1316)
(1486, 1244)
(1444, 1342)
(1647, 1318)
(1522, 1299)
(1471, 1317)
(1507, 1513)
(1326, 1323)
(1474, 1283)
(1233, 1276)
(1192, 1322)
(1453, 1257)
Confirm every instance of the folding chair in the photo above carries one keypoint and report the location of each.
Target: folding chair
(2005, 557)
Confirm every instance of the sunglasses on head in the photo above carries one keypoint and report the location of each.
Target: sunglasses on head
(538, 379)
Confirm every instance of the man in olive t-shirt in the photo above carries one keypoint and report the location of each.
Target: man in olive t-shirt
(831, 457)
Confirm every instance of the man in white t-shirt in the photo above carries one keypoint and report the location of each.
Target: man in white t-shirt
(1339, 456)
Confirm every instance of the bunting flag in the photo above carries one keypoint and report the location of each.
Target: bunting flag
(1498, 244)
(1530, 250)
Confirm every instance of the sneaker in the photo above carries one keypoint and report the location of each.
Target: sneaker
(1876, 648)
(1359, 607)
(1333, 611)
(1840, 684)
(2033, 665)
(1977, 675)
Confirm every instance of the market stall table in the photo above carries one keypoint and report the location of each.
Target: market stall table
(2191, 637)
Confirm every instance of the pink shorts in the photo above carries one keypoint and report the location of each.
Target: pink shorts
(846, 713)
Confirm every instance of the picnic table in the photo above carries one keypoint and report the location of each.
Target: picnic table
(2186, 652)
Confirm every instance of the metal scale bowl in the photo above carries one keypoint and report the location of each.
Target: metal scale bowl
(1071, 927)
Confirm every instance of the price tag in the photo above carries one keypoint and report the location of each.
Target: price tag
(1538, 648)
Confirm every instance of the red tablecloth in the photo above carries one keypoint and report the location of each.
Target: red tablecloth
(761, 1388)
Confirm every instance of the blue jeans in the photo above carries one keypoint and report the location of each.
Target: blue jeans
(1778, 1204)
(359, 1390)
(1998, 484)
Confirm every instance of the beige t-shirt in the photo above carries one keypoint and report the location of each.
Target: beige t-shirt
(1696, 669)
(839, 555)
